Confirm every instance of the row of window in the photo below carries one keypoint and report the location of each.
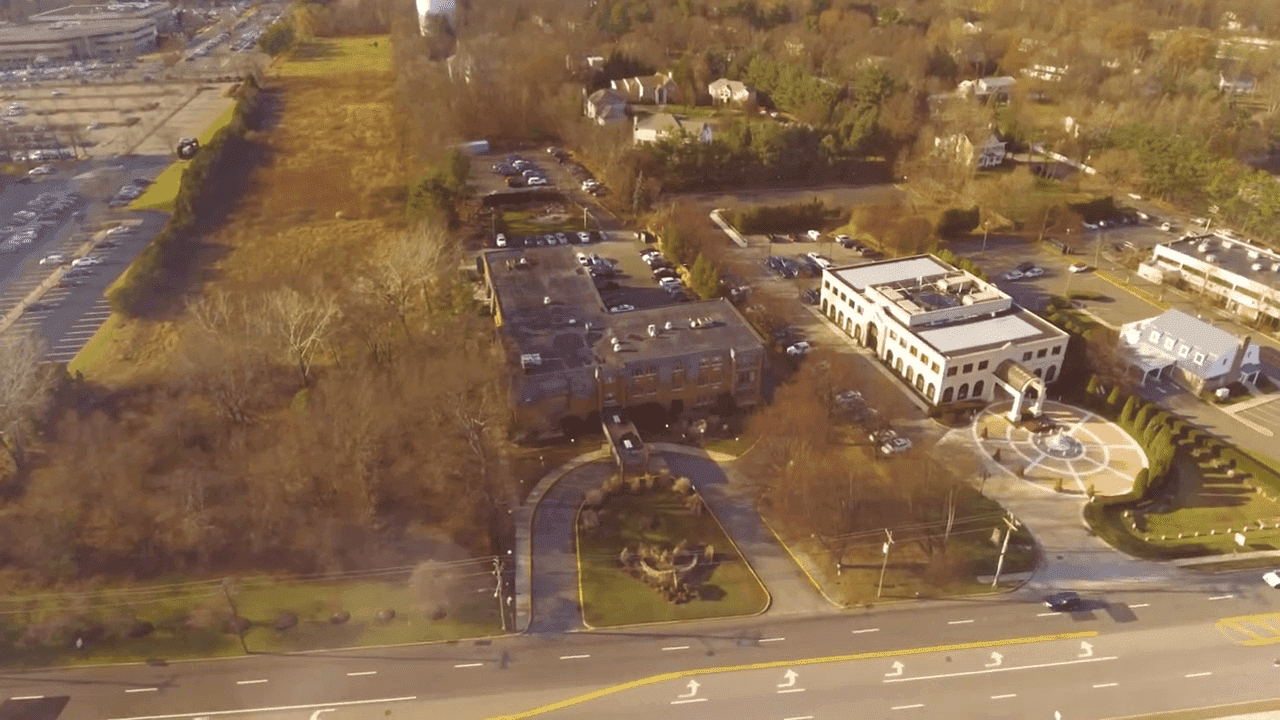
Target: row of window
(1184, 350)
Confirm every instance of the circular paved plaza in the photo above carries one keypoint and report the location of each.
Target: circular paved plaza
(1082, 450)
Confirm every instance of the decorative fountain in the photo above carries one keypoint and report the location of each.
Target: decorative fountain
(1058, 445)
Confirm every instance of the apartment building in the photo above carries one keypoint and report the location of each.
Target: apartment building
(1242, 277)
(948, 334)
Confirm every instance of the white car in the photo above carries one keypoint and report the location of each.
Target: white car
(622, 308)
(1013, 275)
(584, 238)
(1167, 227)
(896, 445)
(1034, 272)
(814, 235)
(536, 181)
(799, 348)
(500, 239)
(1078, 267)
(583, 260)
(54, 259)
(669, 282)
(86, 261)
(42, 170)
(1272, 578)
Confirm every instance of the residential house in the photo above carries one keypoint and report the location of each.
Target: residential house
(657, 89)
(1190, 351)
(605, 106)
(1048, 73)
(652, 128)
(977, 149)
(1237, 83)
(725, 92)
(989, 87)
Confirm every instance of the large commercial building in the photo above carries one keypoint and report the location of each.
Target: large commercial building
(574, 359)
(1243, 278)
(91, 32)
(160, 13)
(950, 335)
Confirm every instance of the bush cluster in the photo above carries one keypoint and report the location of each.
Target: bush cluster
(780, 218)
(207, 183)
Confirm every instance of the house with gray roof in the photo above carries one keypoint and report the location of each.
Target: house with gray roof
(605, 106)
(652, 128)
(1189, 350)
(727, 92)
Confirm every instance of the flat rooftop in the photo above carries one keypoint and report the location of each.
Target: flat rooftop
(965, 337)
(550, 307)
(1235, 256)
(46, 32)
(106, 9)
(695, 328)
(885, 272)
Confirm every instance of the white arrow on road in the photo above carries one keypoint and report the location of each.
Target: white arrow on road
(693, 689)
(1086, 650)
(316, 715)
(791, 679)
(897, 669)
(995, 659)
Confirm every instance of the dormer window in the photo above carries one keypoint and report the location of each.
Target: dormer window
(1184, 350)
(1168, 343)
(1199, 358)
(1154, 337)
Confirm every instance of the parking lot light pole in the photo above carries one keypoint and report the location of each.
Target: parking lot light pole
(1004, 547)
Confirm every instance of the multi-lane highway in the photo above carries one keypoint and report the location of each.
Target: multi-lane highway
(1005, 656)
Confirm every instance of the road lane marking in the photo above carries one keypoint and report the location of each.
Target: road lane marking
(790, 690)
(279, 708)
(27, 697)
(690, 700)
(574, 657)
(467, 665)
(1222, 597)
(1105, 685)
(1048, 614)
(1199, 674)
(859, 632)
(800, 717)
(768, 665)
(675, 647)
(251, 682)
(138, 690)
(1139, 605)
(907, 707)
(999, 669)
(765, 640)
(958, 622)
(1001, 697)
(365, 672)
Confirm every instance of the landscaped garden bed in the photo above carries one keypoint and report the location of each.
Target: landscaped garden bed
(650, 551)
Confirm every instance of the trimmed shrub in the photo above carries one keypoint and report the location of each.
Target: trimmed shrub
(1126, 413)
(1142, 419)
(1113, 398)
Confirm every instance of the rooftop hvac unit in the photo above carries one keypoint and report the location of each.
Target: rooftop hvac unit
(1256, 266)
(1226, 244)
(530, 361)
(1253, 254)
(667, 325)
(653, 331)
(1202, 247)
(546, 300)
(1211, 258)
(1275, 266)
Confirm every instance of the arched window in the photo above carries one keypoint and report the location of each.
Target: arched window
(857, 333)
(898, 365)
(1048, 376)
(911, 374)
(826, 307)
(978, 388)
(964, 392)
(931, 391)
(946, 395)
(920, 381)
(1039, 372)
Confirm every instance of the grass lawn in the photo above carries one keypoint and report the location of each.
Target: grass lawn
(1199, 498)
(531, 222)
(970, 552)
(161, 193)
(611, 597)
(190, 620)
(329, 56)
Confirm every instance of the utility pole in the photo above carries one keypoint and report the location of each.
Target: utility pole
(1004, 547)
(497, 591)
(885, 565)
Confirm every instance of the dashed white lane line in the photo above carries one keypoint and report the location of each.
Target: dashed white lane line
(765, 640)
(800, 717)
(790, 690)
(574, 657)
(1105, 685)
(251, 682)
(138, 690)
(1002, 697)
(278, 708)
(1199, 674)
(467, 665)
(362, 673)
(675, 647)
(959, 622)
(686, 702)
(27, 697)
(859, 632)
(907, 707)
(1222, 597)
(1048, 614)
(1141, 605)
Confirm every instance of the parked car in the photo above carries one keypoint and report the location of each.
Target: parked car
(583, 238)
(1034, 272)
(1013, 275)
(54, 259)
(896, 445)
(1272, 578)
(814, 235)
(1167, 227)
(810, 297)
(798, 349)
(500, 240)
(1078, 267)
(622, 308)
(1064, 602)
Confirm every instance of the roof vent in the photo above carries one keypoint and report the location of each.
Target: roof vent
(1211, 258)
(1256, 267)
(1275, 266)
(1202, 247)
(1226, 244)
(1253, 254)
(546, 300)
(668, 326)
(653, 331)
(530, 361)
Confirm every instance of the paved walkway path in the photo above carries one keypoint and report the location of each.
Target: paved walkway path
(547, 599)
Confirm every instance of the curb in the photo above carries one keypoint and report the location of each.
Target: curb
(794, 558)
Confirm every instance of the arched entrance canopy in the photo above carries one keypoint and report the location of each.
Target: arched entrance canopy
(1017, 379)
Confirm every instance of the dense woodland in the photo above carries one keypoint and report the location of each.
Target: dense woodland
(328, 419)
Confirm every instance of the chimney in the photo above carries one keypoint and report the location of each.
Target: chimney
(1234, 373)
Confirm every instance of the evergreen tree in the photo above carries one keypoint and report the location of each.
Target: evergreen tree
(704, 278)
(1113, 398)
(1142, 419)
(1158, 423)
(1126, 414)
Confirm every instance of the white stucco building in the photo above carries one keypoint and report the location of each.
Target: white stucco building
(950, 335)
(1244, 278)
(1189, 350)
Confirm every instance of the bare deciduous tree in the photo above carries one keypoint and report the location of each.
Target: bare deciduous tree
(24, 392)
(301, 323)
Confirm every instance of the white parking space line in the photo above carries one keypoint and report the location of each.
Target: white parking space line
(27, 697)
(791, 690)
(907, 707)
(1199, 674)
(686, 702)
(765, 640)
(958, 622)
(1002, 697)
(251, 682)
(675, 647)
(1048, 614)
(467, 665)
(1222, 597)
(859, 632)
(1140, 605)
(362, 673)
(140, 690)
(800, 717)
(574, 657)
(1105, 685)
